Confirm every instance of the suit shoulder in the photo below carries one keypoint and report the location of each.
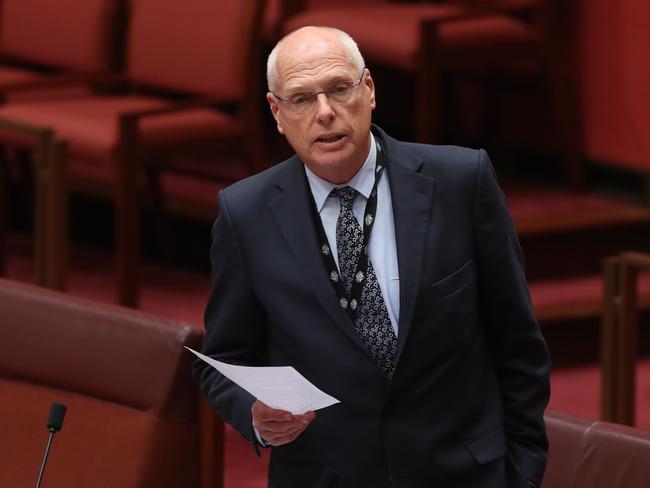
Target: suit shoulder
(449, 162)
(254, 190)
(446, 155)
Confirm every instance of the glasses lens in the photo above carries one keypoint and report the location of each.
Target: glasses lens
(340, 92)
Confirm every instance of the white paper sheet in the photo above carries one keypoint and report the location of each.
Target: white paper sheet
(279, 387)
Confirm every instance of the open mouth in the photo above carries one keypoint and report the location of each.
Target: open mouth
(329, 138)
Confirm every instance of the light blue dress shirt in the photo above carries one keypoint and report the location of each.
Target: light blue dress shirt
(381, 248)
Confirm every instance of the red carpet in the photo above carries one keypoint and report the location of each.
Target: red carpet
(181, 294)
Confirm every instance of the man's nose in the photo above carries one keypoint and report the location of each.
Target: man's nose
(324, 109)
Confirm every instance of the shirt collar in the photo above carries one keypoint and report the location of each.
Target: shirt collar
(362, 181)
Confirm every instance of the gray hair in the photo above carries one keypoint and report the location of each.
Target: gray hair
(348, 43)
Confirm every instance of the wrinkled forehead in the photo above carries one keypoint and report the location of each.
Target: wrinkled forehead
(303, 63)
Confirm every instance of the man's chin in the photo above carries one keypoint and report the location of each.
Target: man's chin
(334, 169)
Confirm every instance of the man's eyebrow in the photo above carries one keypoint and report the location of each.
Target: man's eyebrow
(331, 80)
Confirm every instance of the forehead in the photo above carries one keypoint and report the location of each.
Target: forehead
(305, 63)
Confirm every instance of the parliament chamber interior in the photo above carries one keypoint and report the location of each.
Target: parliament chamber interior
(120, 120)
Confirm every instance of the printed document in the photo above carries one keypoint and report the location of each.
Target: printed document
(279, 387)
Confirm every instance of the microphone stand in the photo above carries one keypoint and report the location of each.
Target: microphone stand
(47, 452)
(54, 424)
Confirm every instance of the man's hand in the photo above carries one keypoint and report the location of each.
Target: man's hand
(277, 427)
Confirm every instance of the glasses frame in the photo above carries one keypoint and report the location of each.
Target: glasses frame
(315, 94)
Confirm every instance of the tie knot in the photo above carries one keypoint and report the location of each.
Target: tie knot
(346, 195)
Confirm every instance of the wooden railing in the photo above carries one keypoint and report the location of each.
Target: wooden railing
(619, 335)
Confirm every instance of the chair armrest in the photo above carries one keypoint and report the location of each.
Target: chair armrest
(482, 9)
(62, 81)
(195, 104)
(636, 259)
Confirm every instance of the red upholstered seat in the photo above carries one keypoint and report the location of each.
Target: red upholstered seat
(91, 124)
(132, 418)
(10, 75)
(381, 42)
(39, 33)
(42, 41)
(461, 37)
(583, 453)
(386, 33)
(189, 80)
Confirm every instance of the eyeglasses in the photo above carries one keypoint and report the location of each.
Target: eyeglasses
(339, 92)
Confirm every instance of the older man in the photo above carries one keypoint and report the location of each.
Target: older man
(389, 274)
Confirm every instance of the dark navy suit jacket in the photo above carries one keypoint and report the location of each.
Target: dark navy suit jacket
(465, 406)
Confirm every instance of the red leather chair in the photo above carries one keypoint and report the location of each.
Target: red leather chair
(472, 38)
(588, 454)
(133, 416)
(39, 46)
(187, 93)
(37, 41)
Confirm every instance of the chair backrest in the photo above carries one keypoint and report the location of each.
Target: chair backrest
(565, 438)
(588, 454)
(72, 34)
(614, 455)
(201, 47)
(277, 11)
(125, 377)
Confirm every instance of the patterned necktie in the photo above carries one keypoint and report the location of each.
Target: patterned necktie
(372, 321)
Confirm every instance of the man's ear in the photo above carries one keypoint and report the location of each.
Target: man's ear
(370, 83)
(275, 108)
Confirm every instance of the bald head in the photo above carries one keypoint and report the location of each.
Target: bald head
(307, 38)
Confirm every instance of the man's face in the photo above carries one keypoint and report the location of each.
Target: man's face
(332, 138)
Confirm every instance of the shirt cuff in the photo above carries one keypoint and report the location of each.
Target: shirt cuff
(261, 441)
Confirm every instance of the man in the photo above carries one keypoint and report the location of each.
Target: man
(427, 339)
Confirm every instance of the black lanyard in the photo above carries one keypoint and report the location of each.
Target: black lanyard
(351, 303)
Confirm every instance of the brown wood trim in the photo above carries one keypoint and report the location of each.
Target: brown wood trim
(211, 447)
(620, 335)
(560, 223)
(608, 341)
(127, 216)
(626, 343)
(52, 188)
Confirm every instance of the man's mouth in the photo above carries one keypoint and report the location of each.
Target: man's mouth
(329, 138)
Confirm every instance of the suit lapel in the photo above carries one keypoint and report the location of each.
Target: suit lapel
(412, 195)
(291, 209)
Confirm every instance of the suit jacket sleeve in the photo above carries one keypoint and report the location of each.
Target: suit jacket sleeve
(516, 344)
(234, 321)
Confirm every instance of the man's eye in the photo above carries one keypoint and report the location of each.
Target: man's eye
(339, 88)
(298, 99)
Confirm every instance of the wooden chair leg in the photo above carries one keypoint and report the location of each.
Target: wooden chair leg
(4, 216)
(620, 336)
(127, 233)
(627, 344)
(52, 188)
(42, 154)
(211, 447)
(165, 242)
(608, 338)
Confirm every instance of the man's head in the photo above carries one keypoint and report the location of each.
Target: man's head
(329, 131)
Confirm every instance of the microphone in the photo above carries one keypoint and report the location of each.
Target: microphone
(327, 479)
(54, 424)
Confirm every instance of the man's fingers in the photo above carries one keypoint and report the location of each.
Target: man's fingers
(276, 439)
(267, 433)
(264, 413)
(279, 426)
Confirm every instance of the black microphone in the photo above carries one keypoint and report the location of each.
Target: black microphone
(327, 479)
(54, 424)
